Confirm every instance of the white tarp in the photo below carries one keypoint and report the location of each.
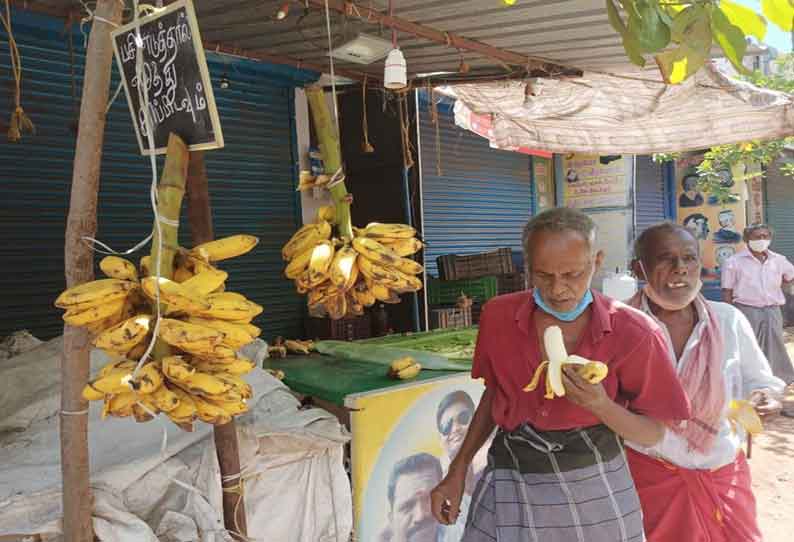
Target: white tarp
(296, 488)
(632, 114)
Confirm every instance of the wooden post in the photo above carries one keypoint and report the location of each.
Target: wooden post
(79, 268)
(226, 443)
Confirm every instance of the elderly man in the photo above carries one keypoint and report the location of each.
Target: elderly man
(694, 484)
(752, 281)
(410, 519)
(556, 468)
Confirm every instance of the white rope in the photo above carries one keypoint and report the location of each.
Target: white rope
(74, 412)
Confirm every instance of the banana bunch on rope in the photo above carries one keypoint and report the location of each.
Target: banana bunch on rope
(592, 371)
(203, 324)
(342, 276)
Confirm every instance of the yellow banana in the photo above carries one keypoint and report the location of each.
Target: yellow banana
(404, 368)
(228, 247)
(375, 251)
(173, 294)
(296, 347)
(305, 181)
(146, 266)
(124, 336)
(377, 272)
(306, 237)
(298, 264)
(401, 363)
(148, 379)
(91, 294)
(408, 266)
(186, 376)
(182, 274)
(237, 384)
(235, 366)
(113, 382)
(118, 268)
(186, 407)
(75, 317)
(90, 393)
(327, 213)
(143, 411)
(226, 306)
(232, 408)
(120, 404)
(336, 305)
(210, 412)
(250, 329)
(103, 324)
(320, 261)
(235, 335)
(363, 294)
(178, 333)
(403, 247)
(381, 292)
(137, 351)
(163, 398)
(344, 269)
(206, 282)
(741, 412)
(392, 231)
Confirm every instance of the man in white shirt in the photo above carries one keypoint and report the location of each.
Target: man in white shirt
(695, 483)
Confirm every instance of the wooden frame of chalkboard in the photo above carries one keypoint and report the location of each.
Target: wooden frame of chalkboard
(175, 70)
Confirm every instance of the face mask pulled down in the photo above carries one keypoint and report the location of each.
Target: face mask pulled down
(660, 301)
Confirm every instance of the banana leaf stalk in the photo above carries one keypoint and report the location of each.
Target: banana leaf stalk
(384, 355)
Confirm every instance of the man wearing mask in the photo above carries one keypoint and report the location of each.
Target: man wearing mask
(752, 281)
(556, 468)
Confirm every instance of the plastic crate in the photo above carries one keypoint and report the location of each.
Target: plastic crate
(472, 266)
(345, 329)
(507, 284)
(450, 317)
(446, 292)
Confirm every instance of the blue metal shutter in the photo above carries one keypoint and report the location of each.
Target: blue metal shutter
(779, 203)
(251, 180)
(650, 193)
(481, 200)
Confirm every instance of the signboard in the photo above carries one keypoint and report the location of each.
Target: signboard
(174, 72)
(542, 174)
(592, 181)
(403, 442)
(718, 227)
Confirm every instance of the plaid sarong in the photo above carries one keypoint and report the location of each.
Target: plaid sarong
(555, 486)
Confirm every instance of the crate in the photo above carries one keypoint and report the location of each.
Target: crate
(446, 292)
(450, 317)
(472, 266)
(514, 282)
(476, 311)
(345, 329)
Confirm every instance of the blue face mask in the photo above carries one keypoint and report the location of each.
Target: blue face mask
(569, 316)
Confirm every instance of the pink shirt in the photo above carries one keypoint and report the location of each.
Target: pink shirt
(754, 283)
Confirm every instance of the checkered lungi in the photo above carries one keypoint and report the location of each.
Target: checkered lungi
(555, 486)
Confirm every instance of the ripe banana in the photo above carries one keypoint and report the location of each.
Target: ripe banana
(178, 333)
(299, 264)
(103, 324)
(381, 292)
(223, 249)
(112, 382)
(182, 274)
(392, 231)
(163, 398)
(742, 413)
(210, 412)
(206, 282)
(185, 410)
(120, 404)
(91, 294)
(92, 394)
(196, 382)
(235, 366)
(296, 347)
(76, 317)
(146, 266)
(118, 268)
(375, 251)
(237, 385)
(232, 408)
(320, 261)
(403, 247)
(229, 306)
(173, 294)
(336, 305)
(327, 213)
(143, 411)
(344, 269)
(125, 336)
(363, 294)
(377, 272)
(148, 379)
(404, 368)
(235, 335)
(306, 237)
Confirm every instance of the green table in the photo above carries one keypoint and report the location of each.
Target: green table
(332, 379)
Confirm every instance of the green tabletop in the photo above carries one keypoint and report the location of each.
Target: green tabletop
(332, 379)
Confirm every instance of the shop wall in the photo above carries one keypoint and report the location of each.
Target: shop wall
(251, 180)
(475, 198)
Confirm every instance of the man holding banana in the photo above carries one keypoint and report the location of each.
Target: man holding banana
(556, 468)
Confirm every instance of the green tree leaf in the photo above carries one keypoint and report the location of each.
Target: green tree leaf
(751, 23)
(630, 44)
(730, 38)
(780, 12)
(680, 63)
(684, 20)
(647, 26)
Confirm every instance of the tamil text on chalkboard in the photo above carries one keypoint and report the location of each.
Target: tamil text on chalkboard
(175, 78)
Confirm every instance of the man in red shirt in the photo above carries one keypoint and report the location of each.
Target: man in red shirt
(557, 469)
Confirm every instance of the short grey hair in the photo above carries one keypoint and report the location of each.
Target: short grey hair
(420, 462)
(757, 226)
(559, 219)
(641, 243)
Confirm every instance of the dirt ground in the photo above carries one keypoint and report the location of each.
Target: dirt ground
(772, 467)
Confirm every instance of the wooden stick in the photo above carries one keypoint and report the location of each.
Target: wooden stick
(226, 444)
(79, 266)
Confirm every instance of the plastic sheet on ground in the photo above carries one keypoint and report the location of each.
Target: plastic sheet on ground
(296, 487)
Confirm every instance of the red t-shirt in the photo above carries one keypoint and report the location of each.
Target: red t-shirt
(641, 377)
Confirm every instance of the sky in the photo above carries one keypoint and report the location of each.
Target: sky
(775, 37)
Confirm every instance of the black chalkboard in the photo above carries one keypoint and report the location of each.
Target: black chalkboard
(175, 73)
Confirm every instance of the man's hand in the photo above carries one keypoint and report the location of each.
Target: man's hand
(765, 403)
(446, 496)
(581, 392)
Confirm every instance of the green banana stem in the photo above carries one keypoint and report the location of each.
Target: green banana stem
(341, 201)
(169, 203)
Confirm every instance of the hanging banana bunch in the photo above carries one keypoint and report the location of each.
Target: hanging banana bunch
(203, 324)
(341, 275)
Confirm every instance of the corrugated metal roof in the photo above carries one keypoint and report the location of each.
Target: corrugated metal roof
(574, 33)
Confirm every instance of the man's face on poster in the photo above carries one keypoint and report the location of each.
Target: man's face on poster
(452, 427)
(411, 517)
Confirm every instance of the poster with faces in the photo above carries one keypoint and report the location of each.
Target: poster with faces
(717, 226)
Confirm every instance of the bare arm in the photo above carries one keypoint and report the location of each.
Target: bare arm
(635, 427)
(445, 498)
(727, 295)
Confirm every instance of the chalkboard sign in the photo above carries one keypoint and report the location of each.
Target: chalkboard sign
(174, 72)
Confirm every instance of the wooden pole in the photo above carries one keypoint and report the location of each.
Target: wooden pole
(79, 268)
(226, 444)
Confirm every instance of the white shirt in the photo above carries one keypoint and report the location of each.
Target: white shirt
(745, 369)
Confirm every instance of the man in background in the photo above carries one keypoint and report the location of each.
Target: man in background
(752, 281)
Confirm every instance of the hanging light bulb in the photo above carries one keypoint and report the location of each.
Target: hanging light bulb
(283, 11)
(224, 82)
(395, 72)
